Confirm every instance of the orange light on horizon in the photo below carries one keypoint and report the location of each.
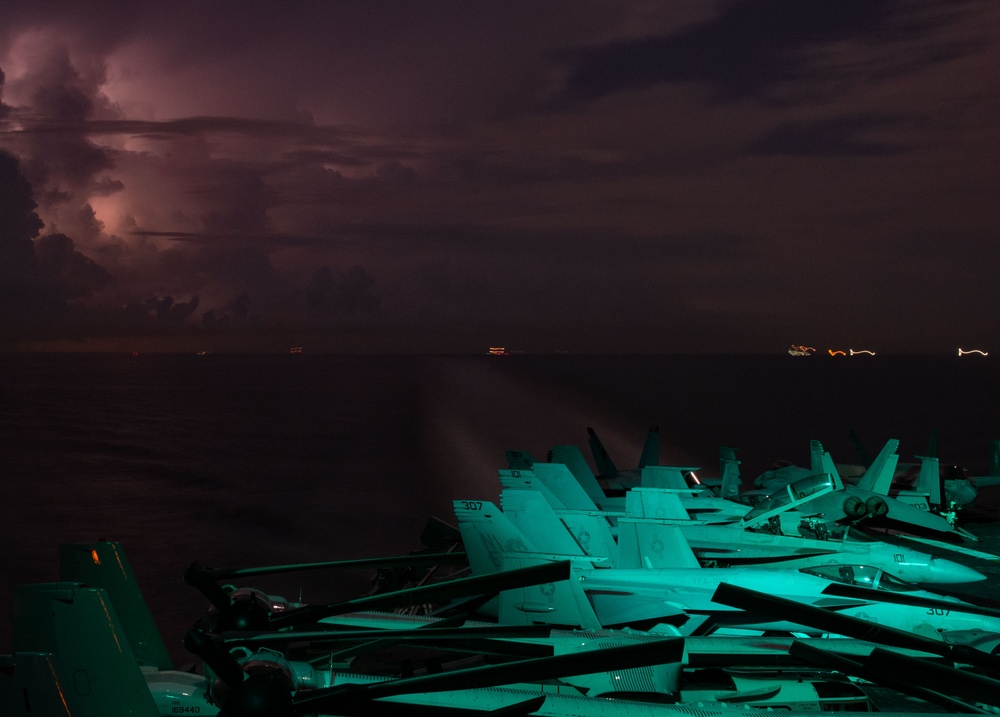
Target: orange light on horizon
(836, 352)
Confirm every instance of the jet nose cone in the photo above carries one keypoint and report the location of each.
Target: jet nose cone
(948, 571)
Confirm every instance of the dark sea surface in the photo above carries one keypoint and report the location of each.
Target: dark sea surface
(240, 461)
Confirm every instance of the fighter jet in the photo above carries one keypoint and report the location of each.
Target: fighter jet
(615, 597)
(927, 483)
(76, 657)
(717, 545)
(73, 659)
(82, 664)
(866, 501)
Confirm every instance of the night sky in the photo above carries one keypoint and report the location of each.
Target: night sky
(635, 176)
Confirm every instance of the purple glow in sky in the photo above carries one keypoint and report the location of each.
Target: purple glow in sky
(581, 176)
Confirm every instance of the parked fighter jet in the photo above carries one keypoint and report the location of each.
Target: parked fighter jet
(926, 483)
(610, 597)
(74, 655)
(845, 502)
(89, 669)
(659, 681)
(76, 661)
(717, 545)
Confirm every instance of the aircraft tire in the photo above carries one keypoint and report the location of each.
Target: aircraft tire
(854, 507)
(876, 506)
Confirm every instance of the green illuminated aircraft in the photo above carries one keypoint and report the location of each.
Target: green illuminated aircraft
(598, 597)
(76, 657)
(771, 535)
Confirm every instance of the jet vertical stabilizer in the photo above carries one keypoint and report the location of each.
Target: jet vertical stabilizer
(493, 543)
(487, 534)
(571, 457)
(859, 448)
(79, 627)
(103, 565)
(593, 533)
(731, 483)
(816, 456)
(30, 685)
(535, 518)
(655, 503)
(992, 477)
(668, 477)
(605, 466)
(878, 478)
(929, 479)
(527, 480)
(645, 543)
(650, 455)
(565, 532)
(519, 460)
(564, 485)
(830, 469)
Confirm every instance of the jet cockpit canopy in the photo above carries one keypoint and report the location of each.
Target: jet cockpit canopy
(865, 576)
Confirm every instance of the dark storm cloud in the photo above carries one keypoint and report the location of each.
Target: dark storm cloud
(71, 273)
(64, 167)
(754, 46)
(19, 224)
(228, 169)
(40, 279)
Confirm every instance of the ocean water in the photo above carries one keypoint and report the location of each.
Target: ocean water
(240, 461)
